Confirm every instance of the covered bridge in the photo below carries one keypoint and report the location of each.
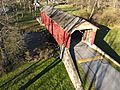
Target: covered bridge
(68, 32)
(62, 25)
(76, 36)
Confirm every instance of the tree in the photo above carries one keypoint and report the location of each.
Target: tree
(11, 46)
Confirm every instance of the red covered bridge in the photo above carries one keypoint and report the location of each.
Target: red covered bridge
(62, 25)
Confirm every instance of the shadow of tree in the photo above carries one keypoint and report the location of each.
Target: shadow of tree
(86, 76)
(47, 79)
(101, 76)
(103, 45)
(48, 68)
(16, 77)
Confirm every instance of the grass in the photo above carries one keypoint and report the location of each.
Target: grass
(41, 75)
(29, 23)
(109, 16)
(85, 81)
(67, 7)
(113, 39)
(74, 10)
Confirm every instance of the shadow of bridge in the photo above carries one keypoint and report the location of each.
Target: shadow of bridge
(103, 45)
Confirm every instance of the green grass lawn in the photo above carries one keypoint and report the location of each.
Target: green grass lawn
(74, 10)
(41, 75)
(113, 39)
(28, 23)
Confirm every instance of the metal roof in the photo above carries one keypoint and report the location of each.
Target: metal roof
(66, 21)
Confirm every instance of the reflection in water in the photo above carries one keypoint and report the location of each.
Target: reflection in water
(36, 39)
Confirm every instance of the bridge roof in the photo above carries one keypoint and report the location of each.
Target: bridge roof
(66, 21)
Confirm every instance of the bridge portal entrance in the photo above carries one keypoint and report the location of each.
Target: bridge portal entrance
(76, 37)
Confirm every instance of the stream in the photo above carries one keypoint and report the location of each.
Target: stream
(35, 40)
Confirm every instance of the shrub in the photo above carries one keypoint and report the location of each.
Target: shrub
(110, 16)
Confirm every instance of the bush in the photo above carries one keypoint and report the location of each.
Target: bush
(110, 16)
(12, 48)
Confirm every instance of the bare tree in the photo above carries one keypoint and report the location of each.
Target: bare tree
(92, 12)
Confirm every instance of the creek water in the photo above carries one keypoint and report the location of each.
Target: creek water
(37, 39)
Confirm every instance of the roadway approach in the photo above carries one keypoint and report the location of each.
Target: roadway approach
(96, 68)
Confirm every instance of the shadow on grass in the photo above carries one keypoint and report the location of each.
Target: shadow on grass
(94, 76)
(48, 68)
(51, 77)
(25, 19)
(99, 41)
(21, 73)
(71, 9)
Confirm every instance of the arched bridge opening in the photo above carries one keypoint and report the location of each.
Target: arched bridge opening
(76, 37)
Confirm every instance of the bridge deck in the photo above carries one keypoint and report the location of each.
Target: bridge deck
(83, 51)
(100, 72)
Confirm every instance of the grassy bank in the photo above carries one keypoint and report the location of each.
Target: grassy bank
(113, 39)
(74, 10)
(41, 75)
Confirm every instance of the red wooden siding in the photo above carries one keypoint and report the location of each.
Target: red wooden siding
(57, 31)
(89, 36)
(93, 37)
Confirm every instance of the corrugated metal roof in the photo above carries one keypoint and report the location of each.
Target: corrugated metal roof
(66, 21)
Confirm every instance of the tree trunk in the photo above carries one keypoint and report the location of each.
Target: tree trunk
(93, 10)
